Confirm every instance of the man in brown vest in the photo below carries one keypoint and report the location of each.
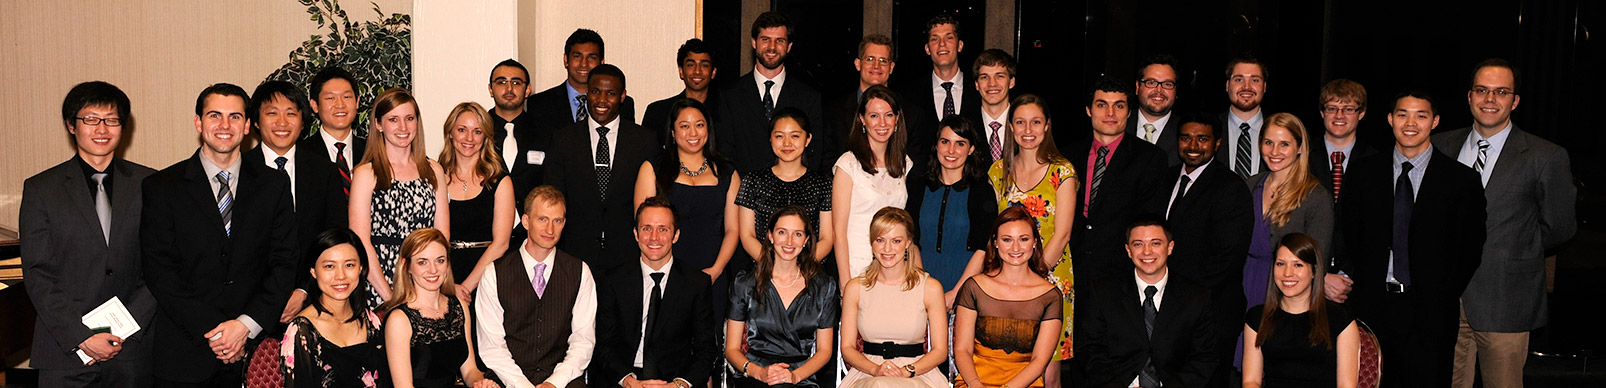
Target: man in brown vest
(537, 319)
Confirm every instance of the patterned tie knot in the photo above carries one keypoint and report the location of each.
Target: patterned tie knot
(340, 147)
(1483, 145)
(1338, 158)
(1150, 291)
(603, 131)
(768, 85)
(948, 86)
(1103, 151)
(281, 161)
(995, 125)
(223, 177)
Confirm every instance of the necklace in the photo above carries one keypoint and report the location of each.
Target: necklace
(788, 285)
(700, 170)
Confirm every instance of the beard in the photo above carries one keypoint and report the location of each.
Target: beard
(779, 60)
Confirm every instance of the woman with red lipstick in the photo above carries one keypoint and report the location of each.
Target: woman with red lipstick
(870, 176)
(481, 194)
(701, 184)
(1288, 199)
(892, 308)
(427, 331)
(1298, 338)
(395, 190)
(335, 340)
(784, 311)
(1007, 323)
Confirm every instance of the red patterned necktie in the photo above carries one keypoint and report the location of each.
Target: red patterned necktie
(1338, 173)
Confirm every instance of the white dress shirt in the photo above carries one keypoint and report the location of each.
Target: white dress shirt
(1158, 296)
(938, 94)
(1469, 150)
(329, 145)
(1256, 122)
(613, 140)
(289, 166)
(775, 91)
(987, 123)
(492, 337)
(1177, 190)
(1159, 127)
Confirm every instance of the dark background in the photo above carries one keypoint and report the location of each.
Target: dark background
(1388, 46)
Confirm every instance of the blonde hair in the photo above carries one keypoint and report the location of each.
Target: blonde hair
(885, 219)
(488, 164)
(376, 156)
(401, 283)
(1291, 194)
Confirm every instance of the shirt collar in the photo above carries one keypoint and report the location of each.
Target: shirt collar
(780, 80)
(646, 271)
(1194, 176)
(1254, 121)
(988, 118)
(90, 170)
(1159, 124)
(530, 261)
(1113, 145)
(268, 156)
(331, 140)
(212, 169)
(1345, 150)
(573, 93)
(936, 82)
(1495, 142)
(1164, 280)
(1418, 163)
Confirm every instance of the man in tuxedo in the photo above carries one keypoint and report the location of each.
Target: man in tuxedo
(276, 109)
(1246, 86)
(334, 99)
(947, 91)
(995, 76)
(694, 62)
(1157, 94)
(1413, 223)
(219, 249)
(566, 104)
(595, 162)
(1530, 198)
(875, 65)
(1149, 329)
(1212, 215)
(1120, 179)
(656, 320)
(1343, 105)
(746, 106)
(537, 308)
(79, 227)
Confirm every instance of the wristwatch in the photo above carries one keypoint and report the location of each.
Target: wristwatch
(911, 369)
(682, 383)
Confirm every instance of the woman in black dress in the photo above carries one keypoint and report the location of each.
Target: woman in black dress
(701, 184)
(784, 311)
(482, 200)
(335, 340)
(427, 331)
(789, 182)
(1298, 338)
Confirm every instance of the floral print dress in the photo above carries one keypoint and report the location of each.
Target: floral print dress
(310, 360)
(1039, 201)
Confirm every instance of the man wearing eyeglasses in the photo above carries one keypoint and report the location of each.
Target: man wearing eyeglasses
(1343, 104)
(1530, 197)
(519, 141)
(80, 247)
(1156, 95)
(875, 65)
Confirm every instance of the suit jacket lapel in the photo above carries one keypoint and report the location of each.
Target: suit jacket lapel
(76, 188)
(1511, 155)
(125, 188)
(633, 308)
(201, 191)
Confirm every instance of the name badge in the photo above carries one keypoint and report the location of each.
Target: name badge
(535, 157)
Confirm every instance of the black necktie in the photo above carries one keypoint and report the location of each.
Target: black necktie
(769, 102)
(1148, 377)
(652, 303)
(1182, 189)
(947, 100)
(1404, 200)
(280, 161)
(1241, 163)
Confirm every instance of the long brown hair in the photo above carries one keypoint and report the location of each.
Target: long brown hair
(376, 156)
(884, 220)
(488, 164)
(401, 284)
(806, 264)
(1047, 152)
(1291, 194)
(859, 138)
(1305, 248)
(992, 263)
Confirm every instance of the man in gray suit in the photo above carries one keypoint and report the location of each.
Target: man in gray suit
(80, 248)
(1528, 186)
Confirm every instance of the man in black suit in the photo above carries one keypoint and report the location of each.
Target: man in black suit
(1343, 105)
(219, 249)
(947, 91)
(524, 152)
(655, 320)
(1246, 86)
(745, 106)
(335, 100)
(694, 62)
(1149, 329)
(594, 163)
(276, 109)
(1121, 179)
(1413, 223)
(1212, 215)
(995, 76)
(79, 226)
(565, 104)
(1157, 94)
(875, 65)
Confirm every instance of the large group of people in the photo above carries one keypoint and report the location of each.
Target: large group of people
(945, 244)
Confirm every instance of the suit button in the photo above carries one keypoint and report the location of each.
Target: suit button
(228, 282)
(1090, 227)
(109, 272)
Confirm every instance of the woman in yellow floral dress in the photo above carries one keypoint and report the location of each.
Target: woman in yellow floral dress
(1033, 175)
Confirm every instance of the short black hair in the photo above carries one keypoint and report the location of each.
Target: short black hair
(1516, 77)
(941, 19)
(663, 202)
(1109, 84)
(1217, 129)
(328, 74)
(1148, 220)
(692, 46)
(609, 70)
(94, 93)
(771, 19)
(222, 89)
(1433, 107)
(583, 35)
(264, 94)
(793, 113)
(513, 64)
(1160, 59)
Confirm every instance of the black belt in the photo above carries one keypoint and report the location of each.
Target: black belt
(1395, 288)
(385, 240)
(470, 244)
(889, 350)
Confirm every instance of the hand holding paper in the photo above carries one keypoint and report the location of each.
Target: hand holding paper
(113, 323)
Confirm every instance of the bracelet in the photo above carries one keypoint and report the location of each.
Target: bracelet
(744, 366)
(911, 369)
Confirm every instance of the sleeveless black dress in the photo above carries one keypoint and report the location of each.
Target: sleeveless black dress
(471, 222)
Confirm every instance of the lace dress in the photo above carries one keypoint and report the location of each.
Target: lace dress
(439, 346)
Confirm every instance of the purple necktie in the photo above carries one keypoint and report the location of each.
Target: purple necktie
(538, 281)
